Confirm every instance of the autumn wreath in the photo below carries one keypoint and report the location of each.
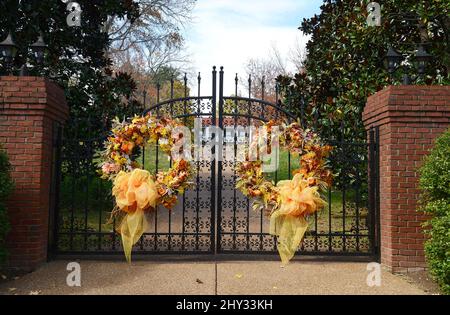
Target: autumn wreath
(289, 202)
(136, 191)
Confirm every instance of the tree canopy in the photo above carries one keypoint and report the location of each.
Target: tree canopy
(345, 58)
(76, 55)
(81, 58)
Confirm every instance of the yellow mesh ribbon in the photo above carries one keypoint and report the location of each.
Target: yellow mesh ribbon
(288, 223)
(134, 192)
(289, 231)
(132, 227)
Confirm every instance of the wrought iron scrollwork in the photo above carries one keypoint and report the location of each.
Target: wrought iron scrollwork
(212, 216)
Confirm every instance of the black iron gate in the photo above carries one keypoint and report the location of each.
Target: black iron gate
(213, 217)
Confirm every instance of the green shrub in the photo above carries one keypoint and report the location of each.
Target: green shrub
(435, 185)
(6, 186)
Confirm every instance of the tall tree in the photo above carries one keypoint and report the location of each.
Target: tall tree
(264, 70)
(345, 56)
(76, 55)
(154, 36)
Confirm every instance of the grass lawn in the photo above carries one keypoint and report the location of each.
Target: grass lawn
(88, 198)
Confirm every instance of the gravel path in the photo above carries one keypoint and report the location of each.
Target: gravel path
(207, 278)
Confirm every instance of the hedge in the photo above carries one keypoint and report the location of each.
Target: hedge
(435, 185)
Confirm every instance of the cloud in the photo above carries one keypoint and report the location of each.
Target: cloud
(229, 32)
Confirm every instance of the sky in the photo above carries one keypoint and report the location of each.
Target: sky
(229, 32)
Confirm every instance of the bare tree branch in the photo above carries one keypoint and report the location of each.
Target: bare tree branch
(266, 70)
(298, 56)
(155, 36)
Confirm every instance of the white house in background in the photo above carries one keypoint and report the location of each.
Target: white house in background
(228, 135)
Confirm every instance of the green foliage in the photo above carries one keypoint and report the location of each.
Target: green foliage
(345, 59)
(76, 57)
(6, 186)
(435, 174)
(435, 184)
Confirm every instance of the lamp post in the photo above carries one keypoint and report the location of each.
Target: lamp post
(422, 58)
(395, 60)
(8, 51)
(38, 48)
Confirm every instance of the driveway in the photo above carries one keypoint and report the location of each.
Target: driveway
(208, 278)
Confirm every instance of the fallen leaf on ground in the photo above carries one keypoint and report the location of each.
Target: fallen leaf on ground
(4, 277)
(12, 289)
(199, 281)
(35, 292)
(238, 275)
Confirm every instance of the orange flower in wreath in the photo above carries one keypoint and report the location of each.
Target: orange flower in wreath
(127, 147)
(135, 190)
(298, 198)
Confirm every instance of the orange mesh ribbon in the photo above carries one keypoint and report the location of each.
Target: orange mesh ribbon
(135, 193)
(288, 223)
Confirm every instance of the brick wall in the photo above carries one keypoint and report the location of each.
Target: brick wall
(410, 118)
(29, 107)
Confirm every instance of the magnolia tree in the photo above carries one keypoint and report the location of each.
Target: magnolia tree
(345, 58)
(86, 40)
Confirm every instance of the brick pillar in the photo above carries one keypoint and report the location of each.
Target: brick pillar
(410, 118)
(30, 107)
